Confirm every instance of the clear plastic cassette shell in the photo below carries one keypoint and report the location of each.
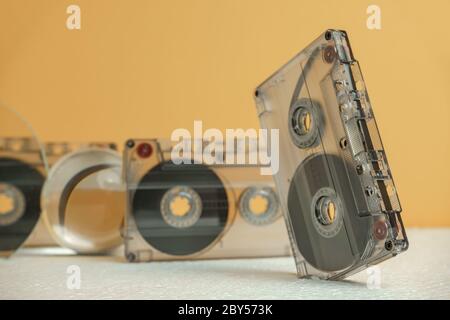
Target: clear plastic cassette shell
(229, 211)
(22, 175)
(334, 181)
(83, 199)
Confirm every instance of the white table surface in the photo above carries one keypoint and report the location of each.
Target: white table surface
(423, 272)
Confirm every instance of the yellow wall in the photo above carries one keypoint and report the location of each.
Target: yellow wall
(142, 68)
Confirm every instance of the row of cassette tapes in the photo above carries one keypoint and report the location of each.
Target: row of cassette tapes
(334, 186)
(89, 202)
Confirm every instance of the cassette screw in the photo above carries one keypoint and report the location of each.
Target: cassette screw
(130, 143)
(131, 257)
(389, 245)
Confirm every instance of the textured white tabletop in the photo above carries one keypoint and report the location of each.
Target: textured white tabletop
(423, 272)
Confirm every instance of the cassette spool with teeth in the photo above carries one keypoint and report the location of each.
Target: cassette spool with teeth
(22, 175)
(186, 211)
(334, 181)
(82, 199)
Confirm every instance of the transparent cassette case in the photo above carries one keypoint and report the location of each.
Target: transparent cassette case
(334, 181)
(83, 199)
(229, 211)
(22, 175)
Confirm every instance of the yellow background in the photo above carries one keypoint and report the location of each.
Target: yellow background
(144, 68)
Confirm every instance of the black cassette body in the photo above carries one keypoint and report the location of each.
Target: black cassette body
(197, 211)
(334, 182)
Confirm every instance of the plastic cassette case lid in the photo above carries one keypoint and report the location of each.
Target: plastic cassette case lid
(83, 199)
(334, 181)
(185, 211)
(22, 175)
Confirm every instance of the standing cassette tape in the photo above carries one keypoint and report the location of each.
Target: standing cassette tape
(186, 211)
(83, 199)
(22, 175)
(334, 181)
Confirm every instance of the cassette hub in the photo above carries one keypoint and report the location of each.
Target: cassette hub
(304, 123)
(259, 205)
(181, 206)
(12, 204)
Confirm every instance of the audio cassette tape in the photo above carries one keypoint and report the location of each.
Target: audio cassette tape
(334, 182)
(22, 175)
(197, 211)
(83, 201)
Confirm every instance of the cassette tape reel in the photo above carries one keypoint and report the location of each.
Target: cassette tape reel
(186, 211)
(83, 199)
(22, 175)
(334, 181)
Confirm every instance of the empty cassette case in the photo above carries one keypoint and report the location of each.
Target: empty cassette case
(83, 200)
(22, 175)
(186, 211)
(334, 182)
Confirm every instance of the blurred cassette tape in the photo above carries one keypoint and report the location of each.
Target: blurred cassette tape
(197, 211)
(83, 199)
(22, 176)
(334, 181)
